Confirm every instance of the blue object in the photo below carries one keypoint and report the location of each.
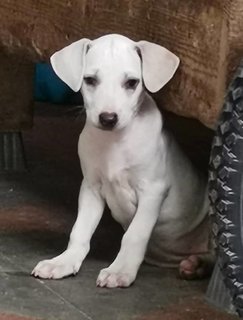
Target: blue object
(50, 88)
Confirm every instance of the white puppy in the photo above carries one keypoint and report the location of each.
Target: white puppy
(129, 162)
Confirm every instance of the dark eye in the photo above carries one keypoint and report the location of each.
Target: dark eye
(91, 81)
(131, 84)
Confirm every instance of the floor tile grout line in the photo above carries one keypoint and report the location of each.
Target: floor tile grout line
(5, 272)
(41, 282)
(64, 300)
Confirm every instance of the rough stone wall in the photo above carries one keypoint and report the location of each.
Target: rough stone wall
(205, 34)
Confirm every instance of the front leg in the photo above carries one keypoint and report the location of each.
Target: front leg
(91, 206)
(122, 272)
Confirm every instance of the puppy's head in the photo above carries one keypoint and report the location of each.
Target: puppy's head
(111, 72)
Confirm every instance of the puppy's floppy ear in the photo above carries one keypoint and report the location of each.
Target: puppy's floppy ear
(158, 65)
(68, 63)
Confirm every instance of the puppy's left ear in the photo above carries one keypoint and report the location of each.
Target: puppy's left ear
(69, 62)
(158, 65)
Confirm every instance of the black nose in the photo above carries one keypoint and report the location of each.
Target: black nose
(108, 119)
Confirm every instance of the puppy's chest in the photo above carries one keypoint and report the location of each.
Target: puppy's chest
(118, 180)
(119, 190)
(114, 167)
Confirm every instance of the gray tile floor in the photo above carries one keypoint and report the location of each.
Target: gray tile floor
(78, 297)
(37, 210)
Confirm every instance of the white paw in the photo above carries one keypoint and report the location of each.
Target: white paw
(110, 279)
(56, 268)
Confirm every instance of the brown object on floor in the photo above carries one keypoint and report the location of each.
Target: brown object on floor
(194, 309)
(206, 35)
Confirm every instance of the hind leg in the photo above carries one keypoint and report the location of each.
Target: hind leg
(197, 266)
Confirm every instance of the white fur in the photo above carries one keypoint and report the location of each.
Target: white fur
(136, 168)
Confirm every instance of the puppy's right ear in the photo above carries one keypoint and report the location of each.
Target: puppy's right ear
(69, 62)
